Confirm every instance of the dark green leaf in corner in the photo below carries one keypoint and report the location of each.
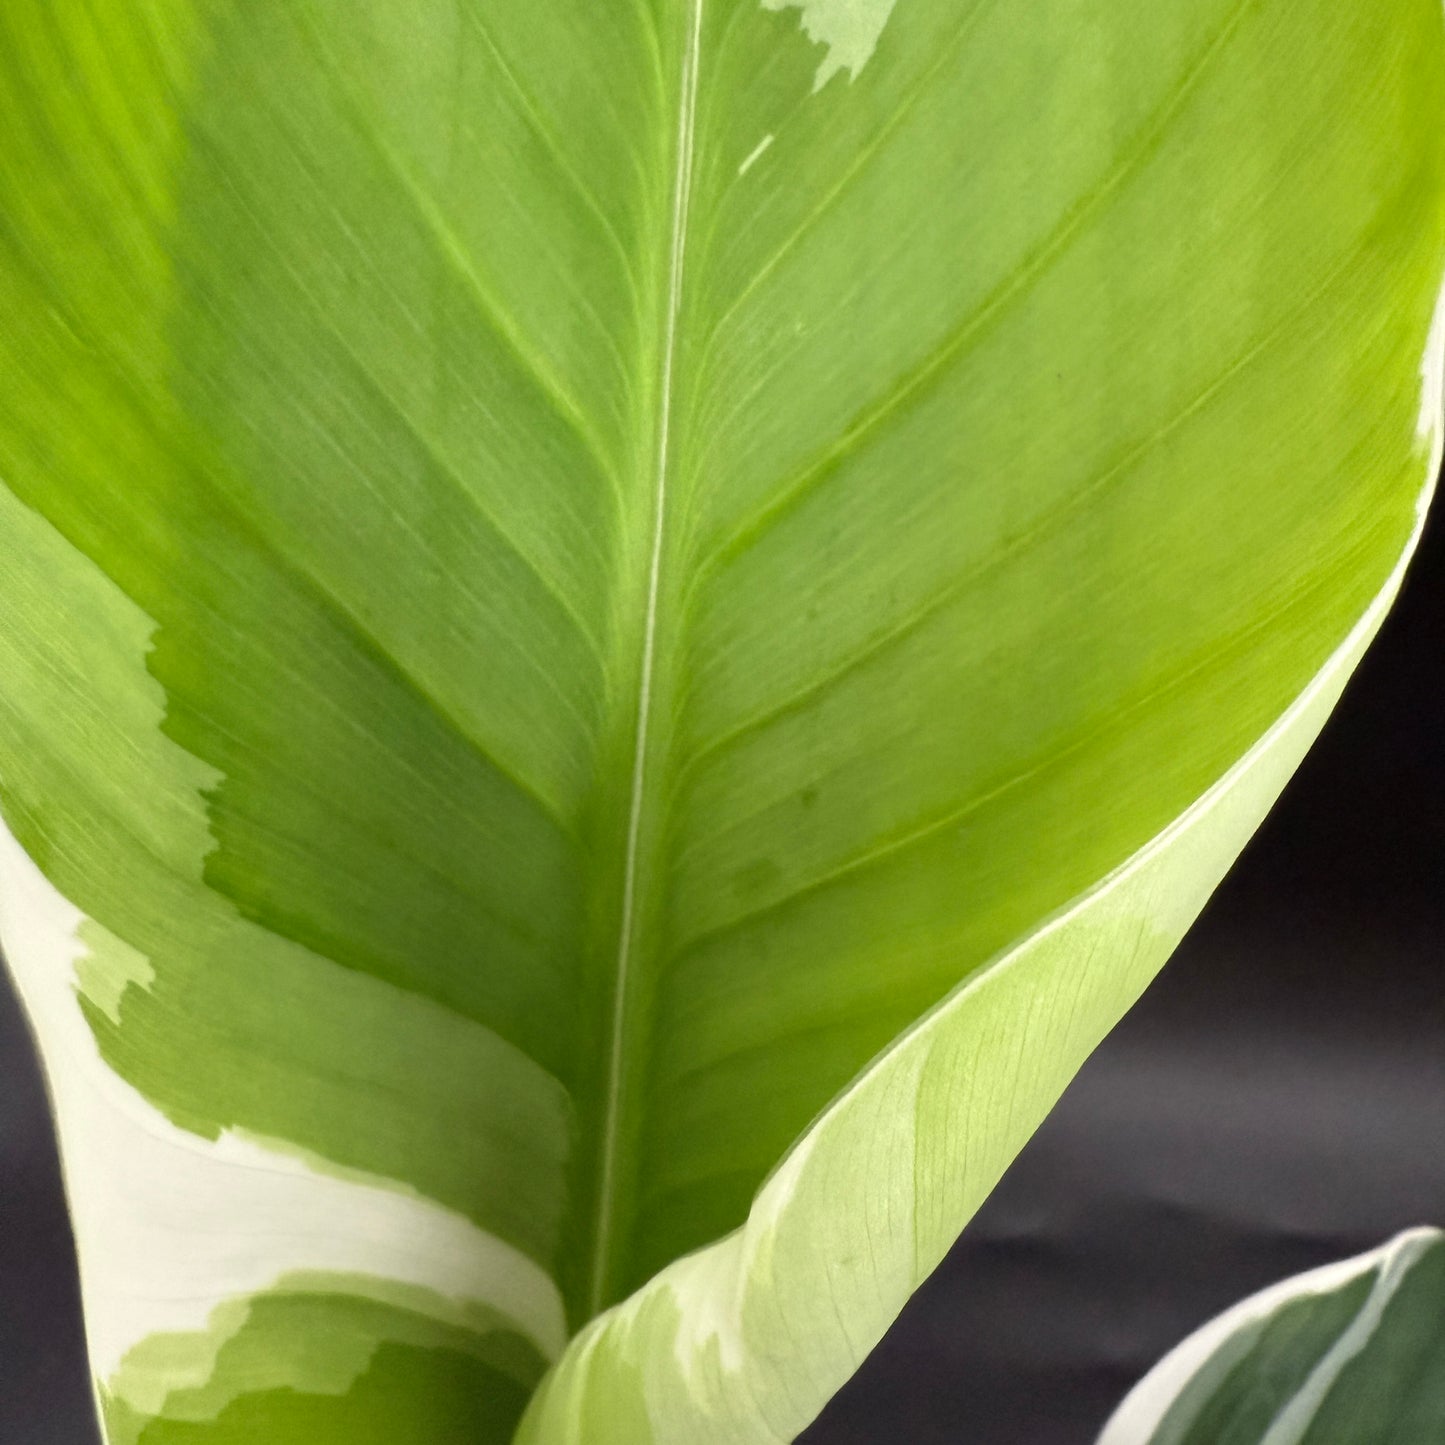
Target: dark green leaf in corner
(1350, 1354)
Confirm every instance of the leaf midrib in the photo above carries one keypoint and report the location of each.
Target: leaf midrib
(605, 1233)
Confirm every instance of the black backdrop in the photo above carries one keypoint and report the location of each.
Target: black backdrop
(1277, 1100)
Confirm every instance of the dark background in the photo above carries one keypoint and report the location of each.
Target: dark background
(1276, 1101)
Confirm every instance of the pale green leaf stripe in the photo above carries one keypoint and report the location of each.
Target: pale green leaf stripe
(744, 1342)
(1349, 1354)
(320, 1336)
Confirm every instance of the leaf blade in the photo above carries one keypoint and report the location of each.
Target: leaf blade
(337, 350)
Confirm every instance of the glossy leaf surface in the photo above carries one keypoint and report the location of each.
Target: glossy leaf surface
(599, 598)
(1351, 1354)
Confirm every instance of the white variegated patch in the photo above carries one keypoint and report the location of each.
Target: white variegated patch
(849, 28)
(170, 1225)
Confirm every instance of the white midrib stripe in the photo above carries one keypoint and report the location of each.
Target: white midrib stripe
(1294, 1418)
(682, 187)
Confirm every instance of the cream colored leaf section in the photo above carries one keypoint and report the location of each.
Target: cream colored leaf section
(850, 29)
(170, 1225)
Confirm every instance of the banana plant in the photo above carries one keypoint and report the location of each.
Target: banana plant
(626, 629)
(1352, 1353)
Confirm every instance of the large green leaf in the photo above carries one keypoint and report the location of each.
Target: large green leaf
(605, 603)
(1349, 1354)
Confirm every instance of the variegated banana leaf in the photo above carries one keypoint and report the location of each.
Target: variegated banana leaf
(628, 626)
